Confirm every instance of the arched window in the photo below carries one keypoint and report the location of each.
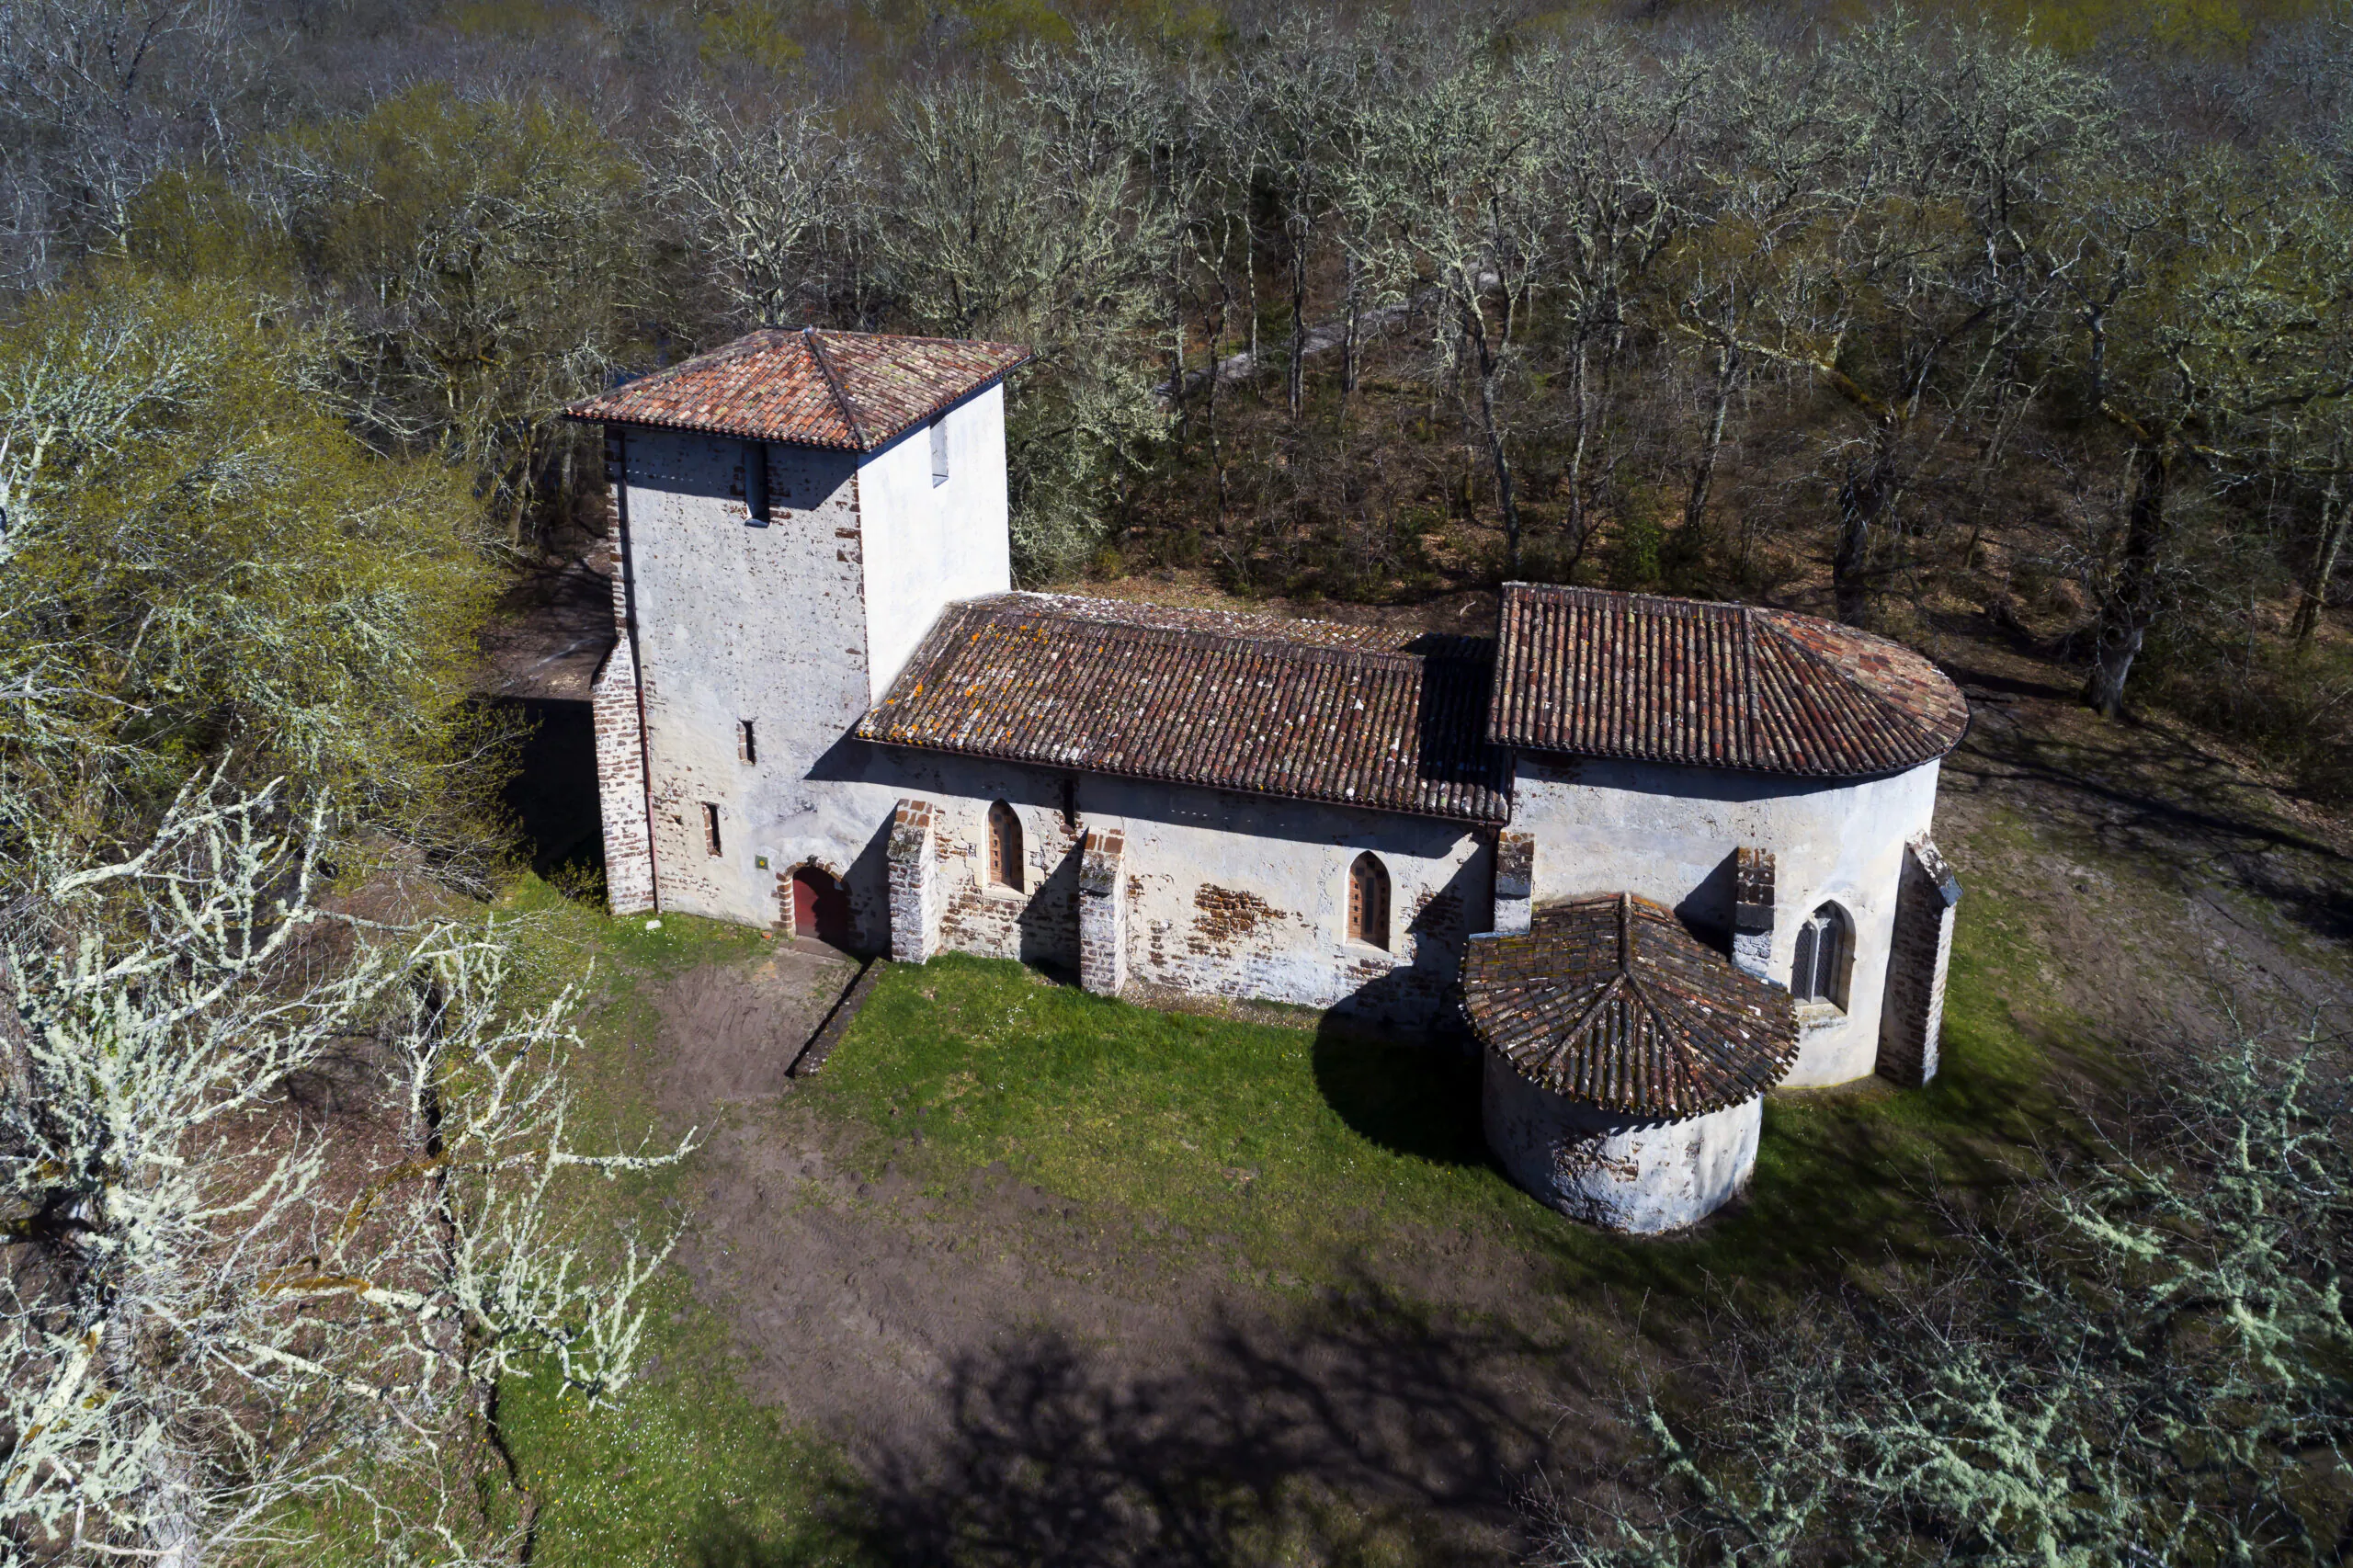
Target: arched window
(1826, 953)
(1369, 902)
(1004, 847)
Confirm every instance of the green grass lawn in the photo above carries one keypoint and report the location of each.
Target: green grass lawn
(1279, 1154)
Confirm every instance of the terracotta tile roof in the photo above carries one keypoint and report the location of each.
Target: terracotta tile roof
(1714, 685)
(1305, 709)
(849, 390)
(1611, 1002)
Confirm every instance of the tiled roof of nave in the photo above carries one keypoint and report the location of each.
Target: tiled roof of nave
(1631, 675)
(1304, 709)
(847, 390)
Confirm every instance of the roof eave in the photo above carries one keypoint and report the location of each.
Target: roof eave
(1496, 819)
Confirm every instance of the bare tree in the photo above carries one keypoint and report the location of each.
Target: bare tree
(220, 1297)
(1007, 220)
(2214, 313)
(1455, 214)
(2142, 1364)
(766, 196)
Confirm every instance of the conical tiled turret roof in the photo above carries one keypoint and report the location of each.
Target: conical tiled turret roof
(1611, 1002)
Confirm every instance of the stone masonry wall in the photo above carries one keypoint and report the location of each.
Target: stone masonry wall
(620, 731)
(914, 884)
(1912, 1021)
(1103, 913)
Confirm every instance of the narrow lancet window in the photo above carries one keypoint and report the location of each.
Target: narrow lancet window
(1826, 956)
(748, 748)
(1004, 847)
(709, 828)
(1369, 902)
(939, 450)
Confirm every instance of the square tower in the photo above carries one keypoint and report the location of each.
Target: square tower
(790, 514)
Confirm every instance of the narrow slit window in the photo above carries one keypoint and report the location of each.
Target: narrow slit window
(1369, 902)
(709, 828)
(1004, 847)
(1824, 957)
(756, 484)
(939, 450)
(747, 747)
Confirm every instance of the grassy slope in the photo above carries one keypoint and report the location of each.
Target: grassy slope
(1205, 1127)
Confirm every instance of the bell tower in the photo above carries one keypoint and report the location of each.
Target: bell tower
(790, 514)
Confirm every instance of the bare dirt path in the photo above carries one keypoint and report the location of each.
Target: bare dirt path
(1019, 1378)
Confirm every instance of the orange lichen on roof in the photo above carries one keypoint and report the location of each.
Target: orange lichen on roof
(809, 386)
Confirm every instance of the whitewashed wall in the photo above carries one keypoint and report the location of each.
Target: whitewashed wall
(1226, 894)
(1669, 833)
(928, 545)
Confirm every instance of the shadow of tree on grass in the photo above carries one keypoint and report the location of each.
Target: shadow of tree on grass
(1362, 1427)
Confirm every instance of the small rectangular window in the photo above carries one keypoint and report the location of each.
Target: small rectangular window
(939, 450)
(747, 747)
(756, 484)
(709, 828)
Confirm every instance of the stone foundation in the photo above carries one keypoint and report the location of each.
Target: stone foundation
(1612, 1170)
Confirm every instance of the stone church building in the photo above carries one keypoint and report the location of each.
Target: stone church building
(1664, 854)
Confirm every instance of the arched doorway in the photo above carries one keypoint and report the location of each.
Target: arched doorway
(819, 906)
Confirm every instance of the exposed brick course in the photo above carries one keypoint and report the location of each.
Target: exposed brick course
(915, 883)
(1753, 912)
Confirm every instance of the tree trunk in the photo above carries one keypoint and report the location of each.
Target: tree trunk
(1866, 496)
(1295, 382)
(1703, 473)
(1349, 341)
(1576, 448)
(2324, 568)
(1495, 454)
(2131, 605)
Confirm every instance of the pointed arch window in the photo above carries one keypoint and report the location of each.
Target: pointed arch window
(1826, 956)
(1004, 847)
(1369, 900)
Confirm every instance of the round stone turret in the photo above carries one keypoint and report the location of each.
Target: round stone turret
(1626, 1062)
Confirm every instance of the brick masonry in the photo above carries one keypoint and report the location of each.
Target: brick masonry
(1102, 913)
(915, 883)
(1912, 1021)
(614, 705)
(1752, 912)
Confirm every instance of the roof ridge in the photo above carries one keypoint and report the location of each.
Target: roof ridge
(810, 335)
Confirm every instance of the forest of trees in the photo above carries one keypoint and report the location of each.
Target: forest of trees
(2035, 325)
(1906, 317)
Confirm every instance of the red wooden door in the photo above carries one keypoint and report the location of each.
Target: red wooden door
(819, 906)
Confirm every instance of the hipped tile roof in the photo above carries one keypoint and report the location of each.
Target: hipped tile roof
(1631, 675)
(847, 390)
(1309, 710)
(1611, 1002)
